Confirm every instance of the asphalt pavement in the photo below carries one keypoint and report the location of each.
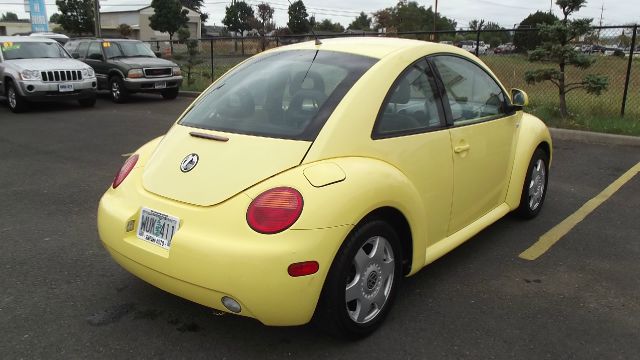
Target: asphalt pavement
(62, 297)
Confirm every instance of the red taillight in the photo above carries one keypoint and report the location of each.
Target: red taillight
(303, 268)
(125, 170)
(274, 210)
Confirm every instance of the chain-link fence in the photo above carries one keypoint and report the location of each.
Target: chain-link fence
(614, 50)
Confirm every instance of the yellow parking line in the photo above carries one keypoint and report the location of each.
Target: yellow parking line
(552, 236)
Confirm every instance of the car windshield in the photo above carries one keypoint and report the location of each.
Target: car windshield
(286, 94)
(127, 49)
(12, 50)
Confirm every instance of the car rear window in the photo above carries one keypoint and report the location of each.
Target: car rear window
(287, 94)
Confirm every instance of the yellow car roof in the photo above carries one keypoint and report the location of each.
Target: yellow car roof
(376, 47)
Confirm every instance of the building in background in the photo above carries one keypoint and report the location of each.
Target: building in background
(137, 17)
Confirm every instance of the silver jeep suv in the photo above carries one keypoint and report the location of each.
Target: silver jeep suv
(39, 69)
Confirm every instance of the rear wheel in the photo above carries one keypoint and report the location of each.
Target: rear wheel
(170, 93)
(362, 282)
(534, 189)
(17, 103)
(119, 93)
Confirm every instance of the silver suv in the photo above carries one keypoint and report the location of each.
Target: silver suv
(39, 69)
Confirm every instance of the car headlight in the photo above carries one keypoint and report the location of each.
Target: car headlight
(177, 71)
(135, 74)
(88, 73)
(30, 75)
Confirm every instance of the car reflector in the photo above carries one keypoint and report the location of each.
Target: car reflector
(303, 268)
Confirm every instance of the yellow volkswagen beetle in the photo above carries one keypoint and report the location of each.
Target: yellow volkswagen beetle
(310, 179)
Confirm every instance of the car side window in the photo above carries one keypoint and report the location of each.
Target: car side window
(412, 104)
(82, 49)
(94, 51)
(474, 96)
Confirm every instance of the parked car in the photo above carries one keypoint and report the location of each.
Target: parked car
(309, 180)
(470, 46)
(34, 69)
(126, 67)
(507, 48)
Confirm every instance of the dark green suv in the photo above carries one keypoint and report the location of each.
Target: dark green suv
(126, 66)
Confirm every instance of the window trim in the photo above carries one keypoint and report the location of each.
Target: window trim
(442, 115)
(510, 110)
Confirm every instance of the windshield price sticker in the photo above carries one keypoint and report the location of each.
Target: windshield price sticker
(8, 45)
(106, 44)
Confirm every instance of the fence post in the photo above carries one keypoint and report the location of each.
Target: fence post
(242, 42)
(478, 40)
(212, 65)
(626, 81)
(277, 41)
(157, 45)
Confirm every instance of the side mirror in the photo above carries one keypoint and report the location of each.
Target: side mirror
(519, 98)
(75, 55)
(158, 54)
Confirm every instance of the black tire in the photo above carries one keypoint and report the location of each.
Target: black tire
(88, 102)
(16, 102)
(170, 94)
(531, 204)
(119, 93)
(334, 314)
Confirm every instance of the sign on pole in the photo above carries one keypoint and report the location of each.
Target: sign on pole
(38, 12)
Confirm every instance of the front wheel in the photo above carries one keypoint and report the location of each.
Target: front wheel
(119, 93)
(362, 282)
(17, 103)
(534, 189)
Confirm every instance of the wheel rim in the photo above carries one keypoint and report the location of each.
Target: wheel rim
(115, 90)
(369, 283)
(537, 184)
(11, 96)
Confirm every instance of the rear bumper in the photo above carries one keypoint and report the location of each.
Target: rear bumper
(149, 85)
(214, 254)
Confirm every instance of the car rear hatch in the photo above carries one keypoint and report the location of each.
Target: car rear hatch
(222, 169)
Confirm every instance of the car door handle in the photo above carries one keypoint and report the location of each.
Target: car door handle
(461, 148)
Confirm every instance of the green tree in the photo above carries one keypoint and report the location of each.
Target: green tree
(362, 22)
(529, 40)
(54, 18)
(196, 5)
(492, 33)
(9, 16)
(328, 25)
(238, 18)
(124, 30)
(557, 48)
(76, 16)
(265, 15)
(183, 34)
(410, 16)
(298, 22)
(168, 17)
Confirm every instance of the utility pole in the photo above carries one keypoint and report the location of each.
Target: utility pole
(601, 15)
(435, 19)
(97, 17)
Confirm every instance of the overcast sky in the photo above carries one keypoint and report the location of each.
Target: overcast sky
(505, 12)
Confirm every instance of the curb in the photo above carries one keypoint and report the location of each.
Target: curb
(189, 94)
(594, 138)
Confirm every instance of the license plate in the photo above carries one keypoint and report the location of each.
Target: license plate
(161, 85)
(65, 87)
(156, 227)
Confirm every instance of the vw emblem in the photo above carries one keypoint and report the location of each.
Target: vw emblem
(189, 162)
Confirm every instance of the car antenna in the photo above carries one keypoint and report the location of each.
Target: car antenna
(318, 42)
